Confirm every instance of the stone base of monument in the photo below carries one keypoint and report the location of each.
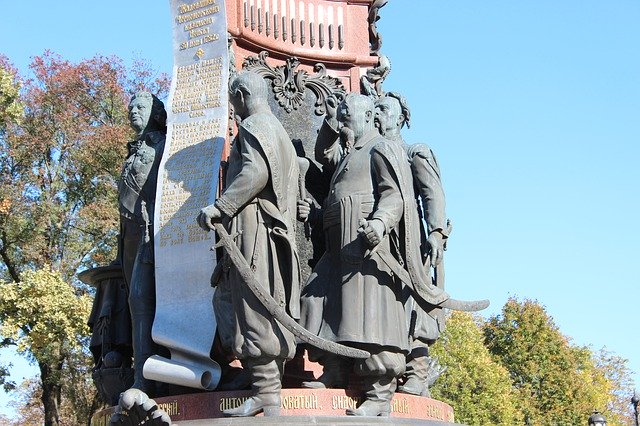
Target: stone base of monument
(299, 406)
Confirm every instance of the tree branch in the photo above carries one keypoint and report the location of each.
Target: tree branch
(13, 272)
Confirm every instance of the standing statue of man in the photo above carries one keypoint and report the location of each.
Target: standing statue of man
(136, 195)
(259, 205)
(392, 113)
(353, 295)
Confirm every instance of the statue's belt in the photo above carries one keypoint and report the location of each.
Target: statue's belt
(332, 214)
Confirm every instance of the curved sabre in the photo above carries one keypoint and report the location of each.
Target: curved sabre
(274, 308)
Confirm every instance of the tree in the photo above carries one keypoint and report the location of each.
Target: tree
(28, 404)
(46, 319)
(557, 382)
(475, 385)
(10, 106)
(60, 153)
(10, 113)
(27, 400)
(617, 372)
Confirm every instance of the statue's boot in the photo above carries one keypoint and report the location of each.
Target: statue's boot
(416, 377)
(414, 386)
(379, 391)
(242, 380)
(335, 374)
(266, 386)
(143, 348)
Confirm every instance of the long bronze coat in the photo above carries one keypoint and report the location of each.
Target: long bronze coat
(426, 325)
(261, 200)
(136, 201)
(351, 297)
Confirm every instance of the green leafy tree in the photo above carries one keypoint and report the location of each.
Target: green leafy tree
(46, 319)
(62, 141)
(10, 113)
(10, 107)
(618, 410)
(557, 383)
(477, 387)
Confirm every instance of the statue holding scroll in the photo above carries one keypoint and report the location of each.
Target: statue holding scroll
(136, 196)
(258, 209)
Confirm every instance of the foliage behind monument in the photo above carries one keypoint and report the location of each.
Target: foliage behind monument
(58, 167)
(475, 384)
(62, 140)
(518, 368)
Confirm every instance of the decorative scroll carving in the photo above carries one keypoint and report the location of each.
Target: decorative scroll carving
(375, 39)
(289, 84)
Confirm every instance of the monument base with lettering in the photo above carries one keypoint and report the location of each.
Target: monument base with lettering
(299, 406)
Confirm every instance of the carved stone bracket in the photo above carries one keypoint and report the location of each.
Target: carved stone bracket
(289, 84)
(375, 39)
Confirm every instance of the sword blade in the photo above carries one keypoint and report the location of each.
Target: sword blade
(274, 308)
(422, 295)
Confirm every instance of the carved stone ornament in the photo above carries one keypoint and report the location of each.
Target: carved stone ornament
(289, 85)
(375, 39)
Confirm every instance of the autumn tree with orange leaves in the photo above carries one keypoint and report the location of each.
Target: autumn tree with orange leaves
(63, 135)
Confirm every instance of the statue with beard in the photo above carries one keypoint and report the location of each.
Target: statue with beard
(353, 296)
(136, 199)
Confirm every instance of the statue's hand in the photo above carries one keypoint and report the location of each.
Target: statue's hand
(436, 248)
(304, 209)
(102, 326)
(207, 216)
(372, 231)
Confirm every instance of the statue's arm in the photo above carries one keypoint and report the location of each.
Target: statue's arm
(328, 150)
(426, 175)
(389, 208)
(251, 180)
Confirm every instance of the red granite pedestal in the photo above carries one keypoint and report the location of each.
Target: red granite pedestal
(299, 406)
(306, 406)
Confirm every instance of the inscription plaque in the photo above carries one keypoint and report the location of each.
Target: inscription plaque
(188, 179)
(297, 402)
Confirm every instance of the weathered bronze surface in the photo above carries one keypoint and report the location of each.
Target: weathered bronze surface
(136, 195)
(359, 272)
(353, 295)
(258, 206)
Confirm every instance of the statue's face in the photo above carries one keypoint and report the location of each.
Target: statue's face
(351, 117)
(388, 113)
(238, 102)
(140, 113)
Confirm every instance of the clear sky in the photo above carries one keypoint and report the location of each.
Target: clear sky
(533, 109)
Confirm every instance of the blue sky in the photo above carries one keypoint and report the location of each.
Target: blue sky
(533, 109)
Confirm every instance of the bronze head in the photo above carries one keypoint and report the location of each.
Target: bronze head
(147, 113)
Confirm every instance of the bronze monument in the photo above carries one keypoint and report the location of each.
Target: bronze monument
(136, 196)
(258, 205)
(356, 286)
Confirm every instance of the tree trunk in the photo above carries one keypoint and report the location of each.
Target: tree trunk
(50, 396)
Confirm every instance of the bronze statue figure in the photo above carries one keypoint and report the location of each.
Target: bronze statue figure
(136, 196)
(354, 295)
(258, 208)
(371, 82)
(392, 113)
